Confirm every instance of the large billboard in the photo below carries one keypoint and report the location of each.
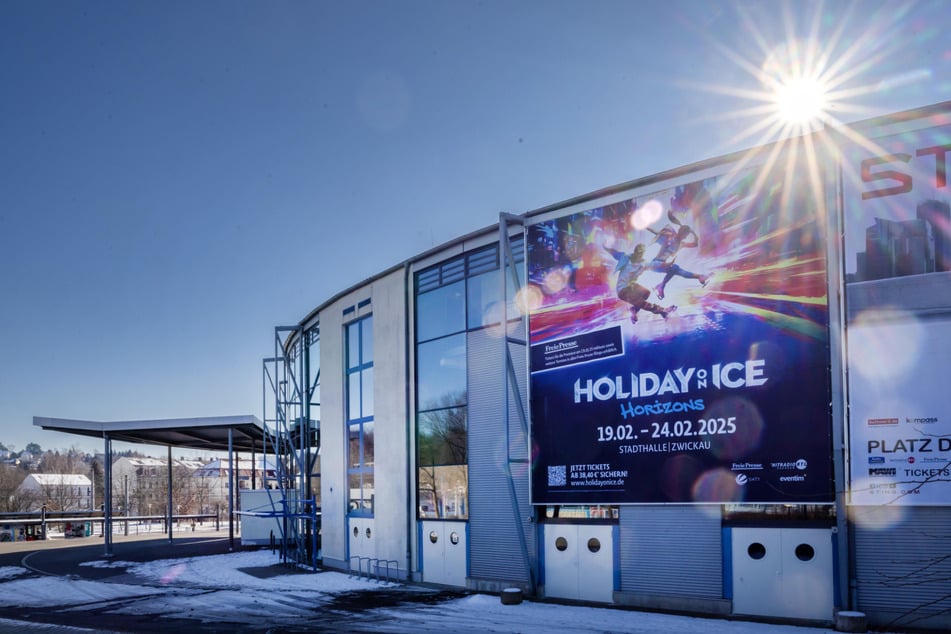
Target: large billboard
(679, 346)
(897, 211)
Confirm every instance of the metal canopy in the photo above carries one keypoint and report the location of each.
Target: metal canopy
(207, 434)
(216, 433)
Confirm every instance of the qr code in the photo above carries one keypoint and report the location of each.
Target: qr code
(557, 476)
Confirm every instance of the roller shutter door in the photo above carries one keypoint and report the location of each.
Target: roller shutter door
(903, 565)
(494, 549)
(671, 551)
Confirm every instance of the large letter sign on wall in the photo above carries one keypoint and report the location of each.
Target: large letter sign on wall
(680, 353)
(897, 206)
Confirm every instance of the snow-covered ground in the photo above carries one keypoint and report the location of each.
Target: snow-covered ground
(220, 589)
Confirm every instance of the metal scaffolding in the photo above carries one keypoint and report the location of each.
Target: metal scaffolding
(293, 436)
(512, 391)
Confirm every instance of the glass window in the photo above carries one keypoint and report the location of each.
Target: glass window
(483, 300)
(738, 513)
(366, 400)
(356, 491)
(366, 340)
(353, 346)
(354, 447)
(441, 312)
(313, 380)
(441, 373)
(367, 442)
(443, 437)
(443, 492)
(456, 296)
(596, 512)
(360, 449)
(354, 396)
(483, 288)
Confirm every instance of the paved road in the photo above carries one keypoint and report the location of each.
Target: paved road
(63, 557)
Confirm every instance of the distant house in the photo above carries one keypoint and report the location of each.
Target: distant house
(211, 480)
(140, 485)
(29, 459)
(58, 491)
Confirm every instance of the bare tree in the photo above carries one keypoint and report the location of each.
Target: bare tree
(72, 461)
(442, 445)
(203, 491)
(183, 490)
(12, 501)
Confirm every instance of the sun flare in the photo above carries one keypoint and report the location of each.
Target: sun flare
(801, 101)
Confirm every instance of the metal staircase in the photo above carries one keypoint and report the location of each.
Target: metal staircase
(291, 388)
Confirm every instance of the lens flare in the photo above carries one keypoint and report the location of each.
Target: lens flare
(884, 344)
(745, 415)
(678, 476)
(555, 281)
(879, 518)
(529, 298)
(647, 214)
(717, 485)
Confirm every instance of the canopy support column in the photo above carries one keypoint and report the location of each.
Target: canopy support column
(107, 497)
(169, 507)
(230, 490)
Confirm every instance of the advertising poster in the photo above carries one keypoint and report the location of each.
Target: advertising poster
(679, 348)
(897, 207)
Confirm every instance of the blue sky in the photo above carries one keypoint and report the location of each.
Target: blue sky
(180, 177)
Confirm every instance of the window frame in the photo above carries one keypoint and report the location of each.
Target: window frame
(472, 269)
(361, 422)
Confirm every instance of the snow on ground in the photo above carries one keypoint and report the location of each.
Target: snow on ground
(484, 613)
(18, 627)
(8, 572)
(225, 571)
(61, 591)
(215, 589)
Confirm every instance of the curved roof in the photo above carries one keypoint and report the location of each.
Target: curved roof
(209, 433)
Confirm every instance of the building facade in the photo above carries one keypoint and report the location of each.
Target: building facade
(57, 492)
(716, 390)
(210, 481)
(140, 484)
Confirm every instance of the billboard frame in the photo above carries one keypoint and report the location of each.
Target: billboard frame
(825, 220)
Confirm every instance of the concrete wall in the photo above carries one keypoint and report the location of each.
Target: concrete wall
(390, 413)
(333, 441)
(388, 306)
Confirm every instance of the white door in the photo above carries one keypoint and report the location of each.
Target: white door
(444, 553)
(579, 562)
(757, 571)
(783, 572)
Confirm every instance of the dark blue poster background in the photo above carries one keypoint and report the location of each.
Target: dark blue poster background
(693, 368)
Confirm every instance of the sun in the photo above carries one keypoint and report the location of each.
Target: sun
(796, 80)
(800, 101)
